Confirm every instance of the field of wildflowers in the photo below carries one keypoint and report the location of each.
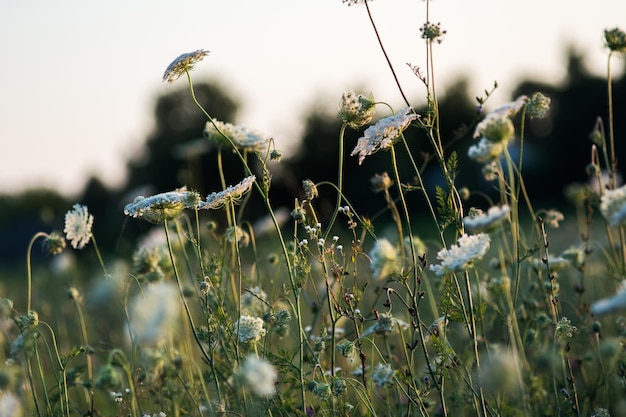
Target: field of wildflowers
(292, 316)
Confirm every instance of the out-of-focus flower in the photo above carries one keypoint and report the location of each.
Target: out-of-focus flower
(243, 137)
(385, 325)
(356, 110)
(553, 217)
(154, 313)
(478, 221)
(538, 106)
(613, 206)
(381, 182)
(249, 329)
(612, 303)
(54, 243)
(383, 134)
(485, 151)
(259, 376)
(432, 32)
(384, 257)
(78, 224)
(461, 256)
(383, 375)
(183, 64)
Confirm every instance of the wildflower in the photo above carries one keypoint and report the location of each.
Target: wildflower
(236, 234)
(356, 110)
(381, 182)
(310, 189)
(575, 256)
(78, 224)
(241, 136)
(552, 218)
(538, 106)
(385, 325)
(152, 263)
(612, 303)
(491, 171)
(600, 412)
(432, 32)
(231, 194)
(384, 258)
(508, 109)
(419, 247)
(321, 390)
(153, 314)
(183, 64)
(348, 350)
(383, 134)
(615, 40)
(259, 376)
(339, 386)
(613, 206)
(164, 206)
(496, 128)
(499, 372)
(461, 256)
(564, 329)
(477, 221)
(485, 151)
(383, 375)
(10, 405)
(54, 243)
(249, 329)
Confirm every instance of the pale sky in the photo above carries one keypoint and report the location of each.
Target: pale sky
(79, 78)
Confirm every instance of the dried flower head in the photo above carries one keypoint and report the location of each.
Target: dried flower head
(183, 64)
(432, 32)
(552, 218)
(310, 189)
(164, 206)
(78, 224)
(249, 329)
(357, 110)
(383, 134)
(258, 376)
(231, 194)
(613, 206)
(538, 106)
(54, 243)
(462, 255)
(477, 221)
(242, 137)
(615, 40)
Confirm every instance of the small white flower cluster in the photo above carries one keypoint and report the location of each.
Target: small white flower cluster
(249, 329)
(78, 223)
(259, 376)
(383, 375)
(386, 325)
(154, 313)
(10, 405)
(243, 137)
(613, 206)
(383, 134)
(163, 206)
(182, 64)
(384, 257)
(460, 256)
(486, 222)
(231, 194)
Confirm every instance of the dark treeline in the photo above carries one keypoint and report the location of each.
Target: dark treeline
(556, 152)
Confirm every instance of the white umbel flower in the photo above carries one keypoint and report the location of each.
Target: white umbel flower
(243, 137)
(383, 134)
(258, 376)
(384, 257)
(249, 329)
(485, 151)
(460, 257)
(163, 206)
(231, 194)
(182, 64)
(612, 303)
(154, 313)
(485, 222)
(78, 224)
(613, 206)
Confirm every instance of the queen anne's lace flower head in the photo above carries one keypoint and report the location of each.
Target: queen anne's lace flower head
(613, 206)
(243, 137)
(78, 224)
(182, 64)
(485, 151)
(478, 221)
(383, 134)
(249, 329)
(382, 375)
(460, 257)
(258, 376)
(612, 303)
(357, 110)
(385, 325)
(164, 206)
(230, 194)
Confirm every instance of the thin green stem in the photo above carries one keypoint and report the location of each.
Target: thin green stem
(29, 272)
